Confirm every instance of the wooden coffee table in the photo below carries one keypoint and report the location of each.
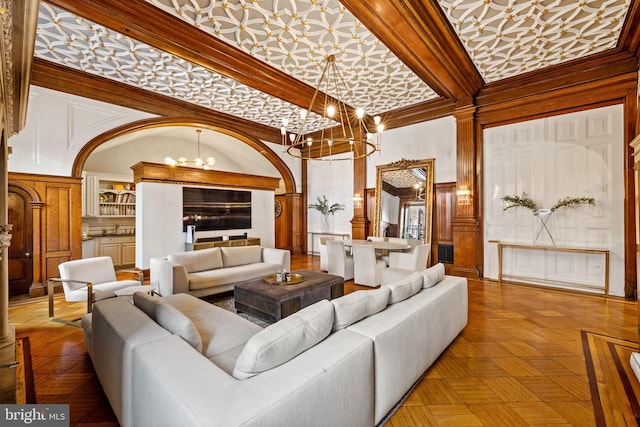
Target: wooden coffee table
(272, 302)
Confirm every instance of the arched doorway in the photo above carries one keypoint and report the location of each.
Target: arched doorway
(21, 249)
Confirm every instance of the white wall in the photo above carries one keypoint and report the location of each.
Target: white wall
(575, 155)
(159, 221)
(58, 126)
(435, 139)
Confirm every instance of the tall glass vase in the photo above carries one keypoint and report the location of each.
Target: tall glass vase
(326, 224)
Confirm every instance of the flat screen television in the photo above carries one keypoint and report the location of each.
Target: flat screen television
(215, 209)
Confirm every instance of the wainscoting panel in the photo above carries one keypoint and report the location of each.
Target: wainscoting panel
(574, 155)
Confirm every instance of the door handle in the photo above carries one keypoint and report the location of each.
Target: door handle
(27, 254)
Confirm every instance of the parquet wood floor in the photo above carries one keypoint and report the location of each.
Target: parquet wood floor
(520, 361)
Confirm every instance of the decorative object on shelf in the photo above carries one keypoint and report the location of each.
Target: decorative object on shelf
(322, 205)
(5, 237)
(346, 126)
(196, 163)
(543, 215)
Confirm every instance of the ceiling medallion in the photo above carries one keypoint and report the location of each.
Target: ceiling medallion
(351, 135)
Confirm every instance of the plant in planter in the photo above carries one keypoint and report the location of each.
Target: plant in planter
(322, 205)
(543, 215)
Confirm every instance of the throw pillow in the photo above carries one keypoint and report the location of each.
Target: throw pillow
(174, 321)
(432, 275)
(282, 341)
(241, 255)
(357, 305)
(146, 303)
(403, 289)
(194, 261)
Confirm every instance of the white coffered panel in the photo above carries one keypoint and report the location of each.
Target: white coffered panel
(574, 155)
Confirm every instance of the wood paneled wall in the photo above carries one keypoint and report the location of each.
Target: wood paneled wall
(57, 220)
(290, 228)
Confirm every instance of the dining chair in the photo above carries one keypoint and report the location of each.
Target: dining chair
(90, 280)
(414, 261)
(323, 252)
(398, 240)
(367, 269)
(375, 239)
(339, 263)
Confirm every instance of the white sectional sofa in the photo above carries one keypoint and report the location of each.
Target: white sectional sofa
(214, 270)
(178, 360)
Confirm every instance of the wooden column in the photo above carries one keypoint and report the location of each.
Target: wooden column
(360, 222)
(467, 240)
(6, 330)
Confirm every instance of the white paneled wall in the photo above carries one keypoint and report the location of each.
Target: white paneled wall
(579, 154)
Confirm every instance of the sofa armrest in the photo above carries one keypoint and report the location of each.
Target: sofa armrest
(277, 256)
(168, 278)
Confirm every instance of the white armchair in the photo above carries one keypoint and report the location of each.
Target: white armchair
(89, 280)
(367, 270)
(339, 263)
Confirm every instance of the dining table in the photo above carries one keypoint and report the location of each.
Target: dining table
(379, 245)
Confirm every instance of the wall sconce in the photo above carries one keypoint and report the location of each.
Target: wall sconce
(463, 195)
(357, 200)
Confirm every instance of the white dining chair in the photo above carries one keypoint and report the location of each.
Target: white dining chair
(367, 269)
(375, 239)
(414, 261)
(398, 240)
(323, 252)
(339, 263)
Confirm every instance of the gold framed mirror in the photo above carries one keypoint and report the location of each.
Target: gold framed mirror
(404, 200)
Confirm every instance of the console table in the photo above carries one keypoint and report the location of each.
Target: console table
(324, 233)
(587, 252)
(251, 241)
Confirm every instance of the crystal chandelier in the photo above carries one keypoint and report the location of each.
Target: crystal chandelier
(196, 163)
(351, 133)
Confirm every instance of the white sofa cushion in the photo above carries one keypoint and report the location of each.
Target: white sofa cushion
(403, 289)
(177, 323)
(284, 340)
(194, 261)
(146, 303)
(241, 255)
(432, 275)
(357, 305)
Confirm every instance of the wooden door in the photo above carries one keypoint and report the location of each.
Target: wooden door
(20, 259)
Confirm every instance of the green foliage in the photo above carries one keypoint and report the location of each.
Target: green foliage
(322, 206)
(523, 201)
(569, 202)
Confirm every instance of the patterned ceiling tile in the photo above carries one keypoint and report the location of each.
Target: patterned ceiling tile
(75, 42)
(509, 37)
(296, 36)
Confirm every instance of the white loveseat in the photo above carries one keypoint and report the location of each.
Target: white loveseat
(178, 360)
(215, 270)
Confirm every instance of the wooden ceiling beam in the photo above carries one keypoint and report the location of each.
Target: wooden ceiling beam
(63, 79)
(419, 34)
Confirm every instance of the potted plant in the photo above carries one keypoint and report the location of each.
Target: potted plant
(322, 205)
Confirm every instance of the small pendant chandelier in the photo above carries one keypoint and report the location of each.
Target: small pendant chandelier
(196, 163)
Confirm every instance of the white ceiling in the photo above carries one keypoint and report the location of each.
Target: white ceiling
(503, 38)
